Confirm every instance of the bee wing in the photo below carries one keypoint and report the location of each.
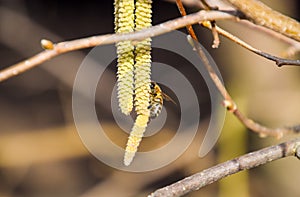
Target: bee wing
(168, 98)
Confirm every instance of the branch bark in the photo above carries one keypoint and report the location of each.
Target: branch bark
(213, 174)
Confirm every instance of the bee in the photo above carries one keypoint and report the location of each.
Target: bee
(157, 97)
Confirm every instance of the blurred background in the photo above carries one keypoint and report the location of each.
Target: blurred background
(41, 153)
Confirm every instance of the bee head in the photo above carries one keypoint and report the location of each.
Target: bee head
(155, 89)
(152, 85)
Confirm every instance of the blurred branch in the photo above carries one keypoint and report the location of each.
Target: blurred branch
(263, 15)
(213, 174)
(271, 33)
(49, 145)
(205, 3)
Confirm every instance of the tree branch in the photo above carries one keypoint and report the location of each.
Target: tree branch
(213, 174)
(64, 47)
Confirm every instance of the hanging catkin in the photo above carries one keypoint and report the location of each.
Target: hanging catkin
(142, 80)
(134, 68)
(124, 23)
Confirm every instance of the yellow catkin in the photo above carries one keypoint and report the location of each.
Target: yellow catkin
(142, 79)
(142, 67)
(135, 138)
(116, 14)
(124, 23)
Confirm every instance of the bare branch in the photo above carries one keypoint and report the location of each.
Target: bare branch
(213, 174)
(93, 41)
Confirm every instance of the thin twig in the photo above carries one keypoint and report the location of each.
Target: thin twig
(212, 73)
(190, 27)
(93, 41)
(214, 32)
(215, 173)
(279, 61)
(183, 13)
